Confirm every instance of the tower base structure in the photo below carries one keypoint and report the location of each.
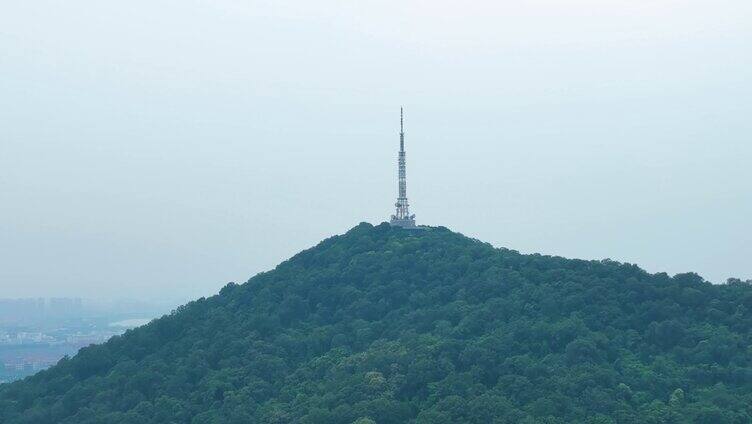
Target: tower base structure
(408, 222)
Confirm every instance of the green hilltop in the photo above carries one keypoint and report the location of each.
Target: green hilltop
(388, 326)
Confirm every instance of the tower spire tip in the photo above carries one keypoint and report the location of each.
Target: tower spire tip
(402, 121)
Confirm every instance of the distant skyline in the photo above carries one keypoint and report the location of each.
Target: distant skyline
(160, 149)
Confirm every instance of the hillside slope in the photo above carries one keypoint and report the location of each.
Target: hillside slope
(388, 326)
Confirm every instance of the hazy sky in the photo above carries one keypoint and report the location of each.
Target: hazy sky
(160, 149)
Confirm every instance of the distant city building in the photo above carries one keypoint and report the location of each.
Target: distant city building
(63, 306)
(402, 217)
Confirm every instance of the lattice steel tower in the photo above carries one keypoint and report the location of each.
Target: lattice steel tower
(402, 217)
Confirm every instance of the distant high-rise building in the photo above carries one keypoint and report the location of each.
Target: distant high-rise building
(402, 217)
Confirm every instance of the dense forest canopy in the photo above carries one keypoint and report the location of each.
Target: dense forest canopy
(383, 325)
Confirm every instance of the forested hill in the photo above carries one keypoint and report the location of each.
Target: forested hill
(388, 326)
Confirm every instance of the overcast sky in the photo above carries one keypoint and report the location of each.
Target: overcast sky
(160, 149)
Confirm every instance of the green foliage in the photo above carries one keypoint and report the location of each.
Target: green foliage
(387, 326)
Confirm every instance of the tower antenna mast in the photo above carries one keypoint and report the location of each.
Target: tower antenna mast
(402, 217)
